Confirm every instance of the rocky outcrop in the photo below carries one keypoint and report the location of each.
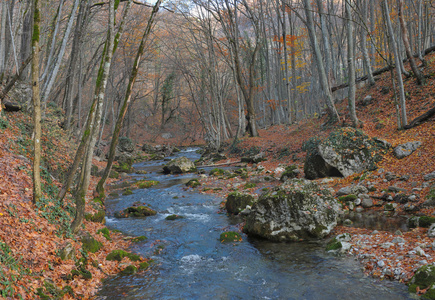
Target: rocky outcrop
(236, 202)
(179, 165)
(255, 158)
(125, 145)
(298, 209)
(345, 152)
(406, 149)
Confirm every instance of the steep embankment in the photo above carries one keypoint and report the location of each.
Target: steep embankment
(32, 236)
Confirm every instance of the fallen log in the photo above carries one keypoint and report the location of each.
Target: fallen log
(222, 164)
(420, 119)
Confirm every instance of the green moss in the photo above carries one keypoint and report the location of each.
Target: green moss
(86, 274)
(289, 173)
(113, 174)
(250, 185)
(145, 184)
(344, 199)
(127, 192)
(430, 294)
(129, 270)
(106, 233)
(139, 239)
(216, 172)
(193, 183)
(118, 255)
(426, 221)
(333, 244)
(423, 278)
(113, 195)
(230, 236)
(144, 265)
(217, 189)
(173, 217)
(98, 217)
(89, 244)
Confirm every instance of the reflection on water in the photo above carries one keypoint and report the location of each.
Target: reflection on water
(193, 264)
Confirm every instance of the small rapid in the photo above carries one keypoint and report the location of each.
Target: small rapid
(191, 263)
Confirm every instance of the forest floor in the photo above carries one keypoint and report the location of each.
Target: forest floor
(378, 250)
(31, 237)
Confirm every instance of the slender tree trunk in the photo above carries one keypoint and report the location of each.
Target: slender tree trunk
(26, 38)
(365, 53)
(127, 99)
(94, 116)
(397, 62)
(37, 191)
(333, 114)
(417, 73)
(351, 64)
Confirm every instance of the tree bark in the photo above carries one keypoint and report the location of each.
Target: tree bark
(94, 116)
(333, 114)
(404, 121)
(417, 73)
(351, 64)
(37, 191)
(127, 99)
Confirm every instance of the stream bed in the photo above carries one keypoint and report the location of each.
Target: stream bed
(191, 263)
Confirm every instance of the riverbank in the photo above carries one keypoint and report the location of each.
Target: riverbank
(31, 238)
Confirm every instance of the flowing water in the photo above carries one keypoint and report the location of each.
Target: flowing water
(191, 263)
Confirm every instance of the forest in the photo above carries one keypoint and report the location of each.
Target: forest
(242, 79)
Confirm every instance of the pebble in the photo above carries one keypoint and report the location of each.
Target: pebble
(375, 232)
(398, 240)
(381, 264)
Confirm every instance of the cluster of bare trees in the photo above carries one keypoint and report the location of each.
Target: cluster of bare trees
(228, 66)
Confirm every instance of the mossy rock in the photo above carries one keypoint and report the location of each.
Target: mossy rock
(118, 255)
(139, 239)
(67, 252)
(193, 183)
(236, 202)
(123, 168)
(98, 217)
(145, 184)
(230, 237)
(423, 278)
(144, 265)
(114, 195)
(389, 207)
(426, 221)
(139, 211)
(344, 199)
(129, 270)
(174, 217)
(430, 294)
(216, 172)
(106, 233)
(50, 291)
(89, 244)
(113, 174)
(250, 185)
(86, 274)
(333, 244)
(289, 173)
(127, 192)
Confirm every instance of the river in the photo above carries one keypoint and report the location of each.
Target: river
(191, 263)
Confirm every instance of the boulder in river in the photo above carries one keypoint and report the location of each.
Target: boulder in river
(298, 209)
(423, 278)
(343, 153)
(179, 165)
(236, 202)
(136, 211)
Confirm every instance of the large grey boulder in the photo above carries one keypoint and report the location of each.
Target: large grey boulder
(125, 145)
(298, 209)
(406, 149)
(343, 153)
(237, 202)
(179, 165)
(429, 176)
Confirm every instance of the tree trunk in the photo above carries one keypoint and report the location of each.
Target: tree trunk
(127, 99)
(94, 116)
(404, 121)
(37, 192)
(417, 73)
(365, 53)
(351, 64)
(333, 114)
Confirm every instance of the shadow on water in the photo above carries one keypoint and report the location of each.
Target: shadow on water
(191, 263)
